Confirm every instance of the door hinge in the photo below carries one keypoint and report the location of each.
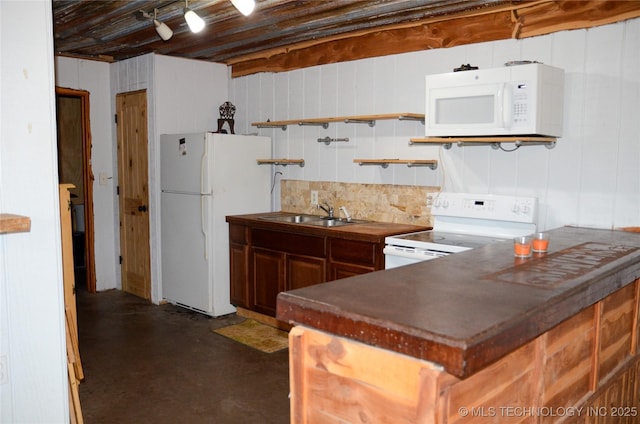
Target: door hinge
(120, 259)
(115, 118)
(118, 190)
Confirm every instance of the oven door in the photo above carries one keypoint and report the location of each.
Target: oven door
(396, 256)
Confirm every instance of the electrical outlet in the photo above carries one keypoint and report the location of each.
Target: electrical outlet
(314, 197)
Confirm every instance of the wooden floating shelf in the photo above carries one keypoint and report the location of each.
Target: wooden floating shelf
(493, 141)
(281, 162)
(358, 119)
(409, 162)
(10, 223)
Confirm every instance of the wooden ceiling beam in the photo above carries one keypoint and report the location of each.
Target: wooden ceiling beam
(519, 20)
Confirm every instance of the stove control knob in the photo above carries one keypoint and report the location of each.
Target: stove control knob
(515, 209)
(445, 203)
(437, 203)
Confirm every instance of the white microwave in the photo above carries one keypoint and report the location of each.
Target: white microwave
(524, 99)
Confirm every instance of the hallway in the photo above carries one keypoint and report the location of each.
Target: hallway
(145, 363)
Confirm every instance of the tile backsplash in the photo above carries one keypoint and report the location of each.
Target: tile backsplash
(377, 202)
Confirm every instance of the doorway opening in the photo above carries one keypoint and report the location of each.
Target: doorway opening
(74, 167)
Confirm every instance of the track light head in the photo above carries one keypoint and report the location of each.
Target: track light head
(244, 6)
(163, 30)
(195, 22)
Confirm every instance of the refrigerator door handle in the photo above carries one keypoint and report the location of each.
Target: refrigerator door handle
(204, 230)
(204, 191)
(203, 163)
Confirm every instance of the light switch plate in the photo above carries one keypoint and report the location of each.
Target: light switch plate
(314, 197)
(103, 178)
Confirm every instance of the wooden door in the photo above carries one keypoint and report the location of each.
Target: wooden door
(133, 186)
(74, 166)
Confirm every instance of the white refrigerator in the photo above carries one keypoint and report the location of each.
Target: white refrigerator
(204, 177)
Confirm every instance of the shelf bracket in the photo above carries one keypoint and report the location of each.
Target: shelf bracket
(547, 144)
(284, 127)
(410, 118)
(370, 122)
(494, 145)
(324, 125)
(430, 165)
(328, 140)
(382, 164)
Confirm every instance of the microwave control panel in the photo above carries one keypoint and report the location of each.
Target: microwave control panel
(520, 111)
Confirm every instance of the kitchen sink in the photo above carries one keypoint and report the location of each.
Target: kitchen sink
(294, 219)
(326, 222)
(320, 221)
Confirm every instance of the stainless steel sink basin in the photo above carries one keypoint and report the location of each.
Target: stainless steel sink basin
(324, 222)
(295, 219)
(316, 220)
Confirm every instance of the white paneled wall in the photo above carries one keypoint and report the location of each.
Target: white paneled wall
(33, 362)
(183, 96)
(93, 76)
(591, 178)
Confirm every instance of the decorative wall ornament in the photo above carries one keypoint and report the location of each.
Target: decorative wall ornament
(227, 112)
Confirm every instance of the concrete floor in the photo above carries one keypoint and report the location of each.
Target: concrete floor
(145, 363)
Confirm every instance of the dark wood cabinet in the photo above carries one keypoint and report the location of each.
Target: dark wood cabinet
(265, 262)
(303, 271)
(268, 279)
(353, 257)
(266, 258)
(239, 265)
(283, 261)
(275, 271)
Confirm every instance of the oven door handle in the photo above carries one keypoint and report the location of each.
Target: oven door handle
(415, 254)
(395, 252)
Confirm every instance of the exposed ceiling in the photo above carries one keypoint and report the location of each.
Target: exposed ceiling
(113, 29)
(285, 34)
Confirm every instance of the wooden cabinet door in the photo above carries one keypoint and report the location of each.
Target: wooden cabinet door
(353, 257)
(339, 270)
(239, 274)
(303, 271)
(239, 266)
(268, 269)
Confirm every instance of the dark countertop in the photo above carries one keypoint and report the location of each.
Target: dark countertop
(371, 231)
(467, 310)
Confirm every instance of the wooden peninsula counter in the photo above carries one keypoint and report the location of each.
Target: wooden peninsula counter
(478, 336)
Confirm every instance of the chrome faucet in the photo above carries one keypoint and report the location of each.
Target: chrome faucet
(328, 209)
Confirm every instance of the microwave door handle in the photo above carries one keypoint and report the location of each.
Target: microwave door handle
(507, 106)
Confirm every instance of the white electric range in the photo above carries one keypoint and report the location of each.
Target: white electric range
(463, 221)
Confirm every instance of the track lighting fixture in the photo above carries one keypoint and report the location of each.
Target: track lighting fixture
(162, 29)
(195, 22)
(244, 6)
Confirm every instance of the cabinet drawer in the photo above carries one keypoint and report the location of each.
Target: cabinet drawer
(289, 242)
(353, 252)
